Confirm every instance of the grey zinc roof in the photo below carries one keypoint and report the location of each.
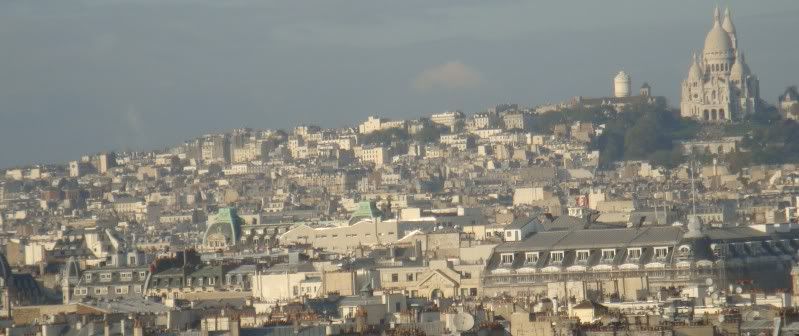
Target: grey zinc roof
(519, 223)
(658, 235)
(733, 233)
(538, 241)
(596, 238)
(566, 222)
(289, 268)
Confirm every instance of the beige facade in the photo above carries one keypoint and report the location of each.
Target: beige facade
(440, 278)
(377, 155)
(344, 237)
(530, 195)
(370, 125)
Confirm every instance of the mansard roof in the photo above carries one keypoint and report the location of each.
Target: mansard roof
(596, 238)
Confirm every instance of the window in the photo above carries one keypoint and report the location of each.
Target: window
(531, 257)
(634, 253)
(122, 290)
(661, 252)
(508, 234)
(409, 277)
(105, 276)
(394, 277)
(88, 277)
(507, 258)
(126, 276)
(556, 256)
(142, 275)
(212, 280)
(608, 254)
(582, 255)
(466, 275)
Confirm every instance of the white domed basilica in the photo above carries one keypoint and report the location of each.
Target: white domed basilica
(720, 87)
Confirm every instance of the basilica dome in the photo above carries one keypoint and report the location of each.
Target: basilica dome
(718, 41)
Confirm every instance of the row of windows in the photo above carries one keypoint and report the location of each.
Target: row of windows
(544, 278)
(408, 277)
(583, 255)
(720, 67)
(415, 276)
(200, 281)
(349, 235)
(108, 276)
(105, 290)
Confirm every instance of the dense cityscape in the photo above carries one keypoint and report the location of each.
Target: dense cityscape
(592, 216)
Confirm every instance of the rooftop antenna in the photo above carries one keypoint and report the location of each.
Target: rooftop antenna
(693, 190)
(657, 219)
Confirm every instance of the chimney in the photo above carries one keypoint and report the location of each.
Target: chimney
(204, 326)
(235, 326)
(138, 329)
(106, 327)
(296, 325)
(7, 301)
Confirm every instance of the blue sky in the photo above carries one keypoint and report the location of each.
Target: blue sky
(83, 76)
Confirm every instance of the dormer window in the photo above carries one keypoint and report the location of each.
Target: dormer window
(556, 256)
(507, 258)
(661, 252)
(582, 255)
(531, 257)
(634, 253)
(608, 254)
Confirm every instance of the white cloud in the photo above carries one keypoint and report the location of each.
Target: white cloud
(452, 75)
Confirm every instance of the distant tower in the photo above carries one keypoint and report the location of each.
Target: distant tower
(70, 277)
(621, 85)
(645, 90)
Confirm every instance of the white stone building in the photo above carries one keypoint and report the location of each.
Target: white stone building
(720, 87)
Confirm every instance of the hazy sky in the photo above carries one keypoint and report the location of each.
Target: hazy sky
(82, 76)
